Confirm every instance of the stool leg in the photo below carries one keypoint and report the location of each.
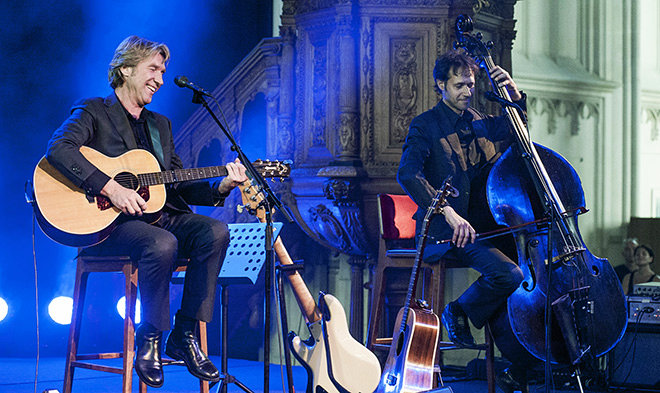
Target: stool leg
(130, 274)
(490, 359)
(203, 342)
(79, 291)
(376, 305)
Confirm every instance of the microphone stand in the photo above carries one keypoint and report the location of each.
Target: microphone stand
(270, 201)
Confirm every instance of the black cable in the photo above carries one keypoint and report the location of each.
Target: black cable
(632, 346)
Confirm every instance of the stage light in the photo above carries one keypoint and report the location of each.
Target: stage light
(121, 309)
(3, 309)
(60, 309)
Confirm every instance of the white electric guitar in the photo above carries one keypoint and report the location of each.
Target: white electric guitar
(334, 360)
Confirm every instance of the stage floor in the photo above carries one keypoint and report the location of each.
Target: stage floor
(18, 377)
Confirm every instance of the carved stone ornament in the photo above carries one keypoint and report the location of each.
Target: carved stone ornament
(347, 131)
(404, 89)
(652, 117)
(328, 228)
(555, 108)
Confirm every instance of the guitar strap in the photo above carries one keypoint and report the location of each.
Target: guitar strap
(155, 139)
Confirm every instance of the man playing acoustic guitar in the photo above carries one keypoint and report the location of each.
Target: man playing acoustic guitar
(114, 125)
(453, 139)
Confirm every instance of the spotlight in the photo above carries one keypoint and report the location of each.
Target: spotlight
(3, 309)
(60, 309)
(121, 309)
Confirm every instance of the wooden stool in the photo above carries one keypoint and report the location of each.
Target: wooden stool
(397, 225)
(89, 264)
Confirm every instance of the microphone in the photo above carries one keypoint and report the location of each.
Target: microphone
(182, 81)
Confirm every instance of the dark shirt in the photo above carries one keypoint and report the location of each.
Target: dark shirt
(140, 130)
(462, 126)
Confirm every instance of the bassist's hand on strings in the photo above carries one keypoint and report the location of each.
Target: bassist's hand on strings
(463, 231)
(503, 79)
(124, 199)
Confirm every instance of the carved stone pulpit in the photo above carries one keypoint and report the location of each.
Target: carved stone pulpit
(339, 88)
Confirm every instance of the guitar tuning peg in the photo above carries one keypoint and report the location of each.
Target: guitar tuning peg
(490, 45)
(281, 179)
(479, 36)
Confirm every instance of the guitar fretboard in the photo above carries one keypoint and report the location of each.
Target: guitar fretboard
(178, 175)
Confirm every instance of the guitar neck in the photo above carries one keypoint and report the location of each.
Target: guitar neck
(304, 298)
(179, 175)
(412, 286)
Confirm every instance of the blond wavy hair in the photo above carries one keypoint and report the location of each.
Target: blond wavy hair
(129, 53)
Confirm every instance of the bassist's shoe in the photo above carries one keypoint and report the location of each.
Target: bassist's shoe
(455, 322)
(509, 384)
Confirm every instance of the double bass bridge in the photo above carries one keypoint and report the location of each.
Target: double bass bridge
(567, 256)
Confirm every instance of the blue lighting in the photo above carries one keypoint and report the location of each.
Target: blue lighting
(121, 309)
(60, 309)
(3, 309)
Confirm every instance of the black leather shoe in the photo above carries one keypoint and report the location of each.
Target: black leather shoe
(148, 363)
(182, 344)
(509, 384)
(456, 323)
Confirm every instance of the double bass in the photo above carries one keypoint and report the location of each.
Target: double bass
(542, 199)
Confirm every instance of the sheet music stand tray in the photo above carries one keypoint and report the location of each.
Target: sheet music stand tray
(245, 257)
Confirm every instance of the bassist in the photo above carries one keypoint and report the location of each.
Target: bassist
(453, 139)
(113, 126)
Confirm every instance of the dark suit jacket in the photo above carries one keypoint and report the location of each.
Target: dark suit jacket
(432, 151)
(101, 124)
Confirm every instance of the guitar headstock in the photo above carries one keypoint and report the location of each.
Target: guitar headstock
(270, 168)
(440, 198)
(250, 195)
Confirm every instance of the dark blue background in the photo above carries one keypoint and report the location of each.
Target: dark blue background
(51, 54)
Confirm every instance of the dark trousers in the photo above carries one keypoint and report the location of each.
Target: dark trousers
(155, 249)
(500, 277)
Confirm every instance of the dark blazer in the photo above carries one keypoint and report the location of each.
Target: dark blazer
(432, 151)
(102, 124)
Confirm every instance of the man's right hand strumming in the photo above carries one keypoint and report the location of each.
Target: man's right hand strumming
(124, 199)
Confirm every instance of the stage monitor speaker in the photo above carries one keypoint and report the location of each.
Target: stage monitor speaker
(635, 360)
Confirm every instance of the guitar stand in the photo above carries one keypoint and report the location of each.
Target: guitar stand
(279, 269)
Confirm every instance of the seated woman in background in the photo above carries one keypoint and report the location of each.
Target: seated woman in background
(643, 260)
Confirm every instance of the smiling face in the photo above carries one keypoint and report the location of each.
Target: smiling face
(142, 81)
(457, 90)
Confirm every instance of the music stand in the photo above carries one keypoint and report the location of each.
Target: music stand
(245, 257)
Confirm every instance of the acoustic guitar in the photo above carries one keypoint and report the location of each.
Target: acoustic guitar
(409, 364)
(72, 217)
(334, 360)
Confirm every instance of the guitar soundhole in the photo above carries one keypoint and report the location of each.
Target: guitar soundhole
(127, 180)
(399, 344)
